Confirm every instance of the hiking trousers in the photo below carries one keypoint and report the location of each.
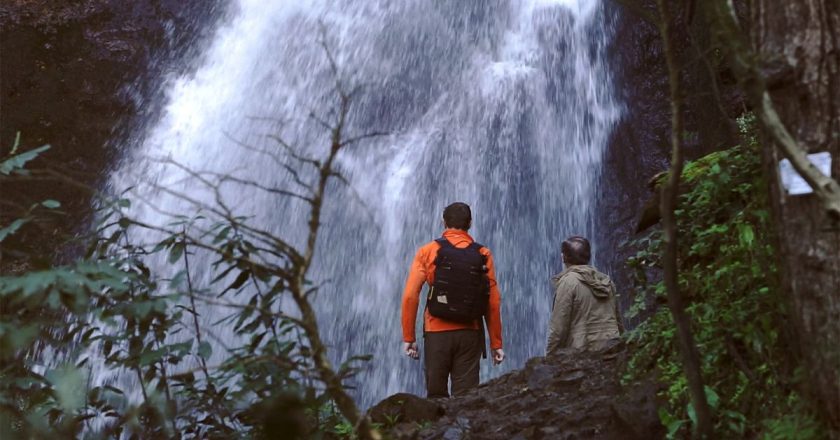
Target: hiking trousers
(455, 354)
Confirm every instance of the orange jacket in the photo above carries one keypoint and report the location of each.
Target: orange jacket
(423, 271)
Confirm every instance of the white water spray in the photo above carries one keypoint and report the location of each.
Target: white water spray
(505, 105)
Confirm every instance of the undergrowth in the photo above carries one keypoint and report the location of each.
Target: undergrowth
(728, 275)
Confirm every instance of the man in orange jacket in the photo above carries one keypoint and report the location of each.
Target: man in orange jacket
(451, 348)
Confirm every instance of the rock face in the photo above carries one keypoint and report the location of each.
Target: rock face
(639, 147)
(75, 74)
(569, 395)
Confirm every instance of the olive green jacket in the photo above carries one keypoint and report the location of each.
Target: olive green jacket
(585, 309)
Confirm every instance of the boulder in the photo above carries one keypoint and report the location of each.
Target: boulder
(404, 407)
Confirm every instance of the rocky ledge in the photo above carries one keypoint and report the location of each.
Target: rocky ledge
(569, 395)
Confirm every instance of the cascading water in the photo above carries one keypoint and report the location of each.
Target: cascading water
(505, 105)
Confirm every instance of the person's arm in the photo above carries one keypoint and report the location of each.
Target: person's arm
(561, 316)
(494, 310)
(411, 299)
(494, 307)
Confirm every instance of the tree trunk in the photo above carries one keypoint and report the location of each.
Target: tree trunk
(799, 45)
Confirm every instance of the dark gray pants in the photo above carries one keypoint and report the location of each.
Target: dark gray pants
(454, 353)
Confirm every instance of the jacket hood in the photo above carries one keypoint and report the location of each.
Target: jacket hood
(457, 237)
(599, 283)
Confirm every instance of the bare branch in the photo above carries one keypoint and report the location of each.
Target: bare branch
(271, 190)
(745, 65)
(361, 137)
(269, 119)
(274, 158)
(322, 29)
(216, 193)
(826, 188)
(326, 125)
(331, 379)
(291, 151)
(296, 178)
(283, 250)
(358, 198)
(224, 177)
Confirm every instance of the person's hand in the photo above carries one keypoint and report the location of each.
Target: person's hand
(410, 350)
(498, 356)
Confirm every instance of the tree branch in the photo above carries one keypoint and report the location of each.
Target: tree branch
(331, 379)
(745, 65)
(668, 205)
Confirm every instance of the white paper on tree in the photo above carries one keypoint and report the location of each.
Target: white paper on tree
(794, 183)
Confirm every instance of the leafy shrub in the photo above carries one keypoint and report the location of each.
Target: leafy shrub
(109, 311)
(728, 275)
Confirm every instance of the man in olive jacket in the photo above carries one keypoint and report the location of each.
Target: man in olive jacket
(585, 309)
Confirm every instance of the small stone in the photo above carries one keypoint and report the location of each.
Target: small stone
(458, 431)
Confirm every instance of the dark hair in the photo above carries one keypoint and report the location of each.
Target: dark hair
(457, 215)
(576, 250)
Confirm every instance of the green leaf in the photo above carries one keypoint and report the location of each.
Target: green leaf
(20, 337)
(17, 162)
(240, 280)
(746, 234)
(221, 235)
(176, 252)
(692, 415)
(12, 228)
(671, 423)
(205, 349)
(142, 309)
(712, 397)
(149, 357)
(179, 277)
(68, 383)
(51, 204)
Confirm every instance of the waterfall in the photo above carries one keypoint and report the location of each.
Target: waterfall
(506, 105)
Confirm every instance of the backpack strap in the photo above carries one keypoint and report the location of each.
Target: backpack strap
(477, 247)
(443, 242)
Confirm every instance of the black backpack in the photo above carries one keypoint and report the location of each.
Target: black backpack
(461, 289)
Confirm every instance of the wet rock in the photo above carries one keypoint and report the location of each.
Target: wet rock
(568, 395)
(77, 75)
(636, 412)
(457, 431)
(405, 431)
(639, 145)
(404, 407)
(541, 376)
